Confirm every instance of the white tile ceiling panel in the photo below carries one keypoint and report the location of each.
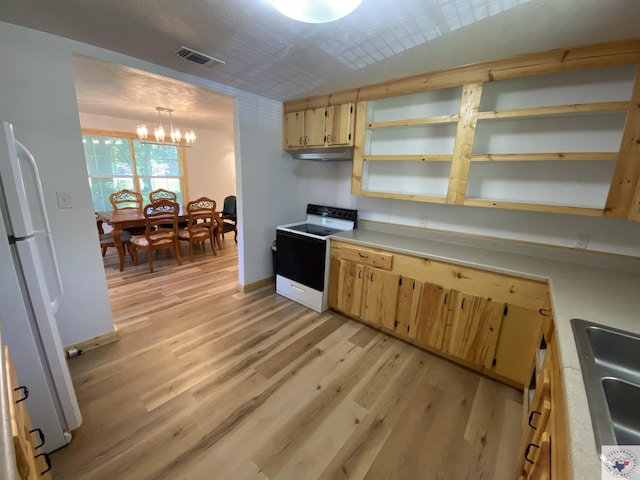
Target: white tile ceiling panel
(278, 58)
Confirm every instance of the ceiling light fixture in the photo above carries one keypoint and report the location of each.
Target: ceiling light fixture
(316, 11)
(175, 137)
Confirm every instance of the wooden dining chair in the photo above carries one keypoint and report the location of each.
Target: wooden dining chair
(161, 231)
(125, 199)
(161, 193)
(128, 199)
(201, 224)
(106, 239)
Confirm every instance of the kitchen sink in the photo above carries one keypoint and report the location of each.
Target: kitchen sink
(610, 363)
(616, 351)
(623, 400)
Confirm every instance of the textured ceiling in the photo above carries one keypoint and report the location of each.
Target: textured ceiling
(104, 88)
(273, 56)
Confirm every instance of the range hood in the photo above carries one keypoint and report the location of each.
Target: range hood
(323, 154)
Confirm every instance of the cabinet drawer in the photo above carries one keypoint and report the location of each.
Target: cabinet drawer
(367, 257)
(30, 465)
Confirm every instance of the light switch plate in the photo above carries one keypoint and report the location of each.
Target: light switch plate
(64, 200)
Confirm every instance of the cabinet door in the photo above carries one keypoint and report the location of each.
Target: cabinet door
(314, 127)
(541, 469)
(350, 287)
(409, 292)
(475, 328)
(380, 297)
(294, 129)
(339, 125)
(431, 319)
(538, 421)
(334, 279)
(519, 337)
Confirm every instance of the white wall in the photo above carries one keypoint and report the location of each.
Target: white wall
(38, 96)
(605, 234)
(210, 165)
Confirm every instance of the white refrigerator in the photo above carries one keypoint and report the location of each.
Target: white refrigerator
(30, 295)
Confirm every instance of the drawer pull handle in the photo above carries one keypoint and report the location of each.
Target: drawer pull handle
(531, 418)
(363, 256)
(40, 434)
(46, 459)
(25, 393)
(544, 311)
(526, 452)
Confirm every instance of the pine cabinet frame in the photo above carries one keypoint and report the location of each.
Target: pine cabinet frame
(324, 126)
(623, 196)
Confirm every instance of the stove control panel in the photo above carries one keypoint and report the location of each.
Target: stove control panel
(332, 212)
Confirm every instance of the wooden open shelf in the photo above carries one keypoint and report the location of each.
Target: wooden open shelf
(517, 82)
(555, 110)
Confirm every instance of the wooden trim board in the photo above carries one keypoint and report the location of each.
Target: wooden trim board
(95, 342)
(249, 287)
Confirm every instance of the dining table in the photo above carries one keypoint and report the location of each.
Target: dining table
(134, 217)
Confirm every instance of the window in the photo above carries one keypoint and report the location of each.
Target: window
(117, 162)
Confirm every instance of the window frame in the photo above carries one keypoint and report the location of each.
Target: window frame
(131, 137)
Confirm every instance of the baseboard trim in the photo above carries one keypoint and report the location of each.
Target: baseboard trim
(95, 342)
(249, 287)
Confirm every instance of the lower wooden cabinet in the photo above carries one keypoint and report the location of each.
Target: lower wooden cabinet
(544, 439)
(32, 464)
(380, 297)
(486, 320)
(516, 349)
(491, 322)
(429, 324)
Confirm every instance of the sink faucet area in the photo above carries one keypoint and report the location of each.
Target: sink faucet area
(610, 363)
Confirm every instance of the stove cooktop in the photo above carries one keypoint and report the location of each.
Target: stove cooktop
(314, 229)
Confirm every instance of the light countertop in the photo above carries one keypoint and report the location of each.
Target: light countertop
(597, 287)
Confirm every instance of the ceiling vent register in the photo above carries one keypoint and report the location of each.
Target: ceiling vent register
(198, 57)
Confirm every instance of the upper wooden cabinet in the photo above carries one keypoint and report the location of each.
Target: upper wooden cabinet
(553, 131)
(319, 127)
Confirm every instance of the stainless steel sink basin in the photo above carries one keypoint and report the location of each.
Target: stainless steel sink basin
(610, 362)
(616, 351)
(623, 400)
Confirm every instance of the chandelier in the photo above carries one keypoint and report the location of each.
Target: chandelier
(160, 137)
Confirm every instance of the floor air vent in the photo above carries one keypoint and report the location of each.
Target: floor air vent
(198, 57)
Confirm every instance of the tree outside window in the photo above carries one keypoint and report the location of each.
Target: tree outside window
(117, 162)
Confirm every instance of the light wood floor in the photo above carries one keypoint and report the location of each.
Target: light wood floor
(209, 383)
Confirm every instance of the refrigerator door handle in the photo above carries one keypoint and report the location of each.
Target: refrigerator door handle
(44, 218)
(13, 184)
(56, 301)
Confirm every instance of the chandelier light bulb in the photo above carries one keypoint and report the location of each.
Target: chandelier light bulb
(190, 137)
(142, 131)
(159, 134)
(316, 11)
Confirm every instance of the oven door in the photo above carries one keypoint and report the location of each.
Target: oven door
(301, 258)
